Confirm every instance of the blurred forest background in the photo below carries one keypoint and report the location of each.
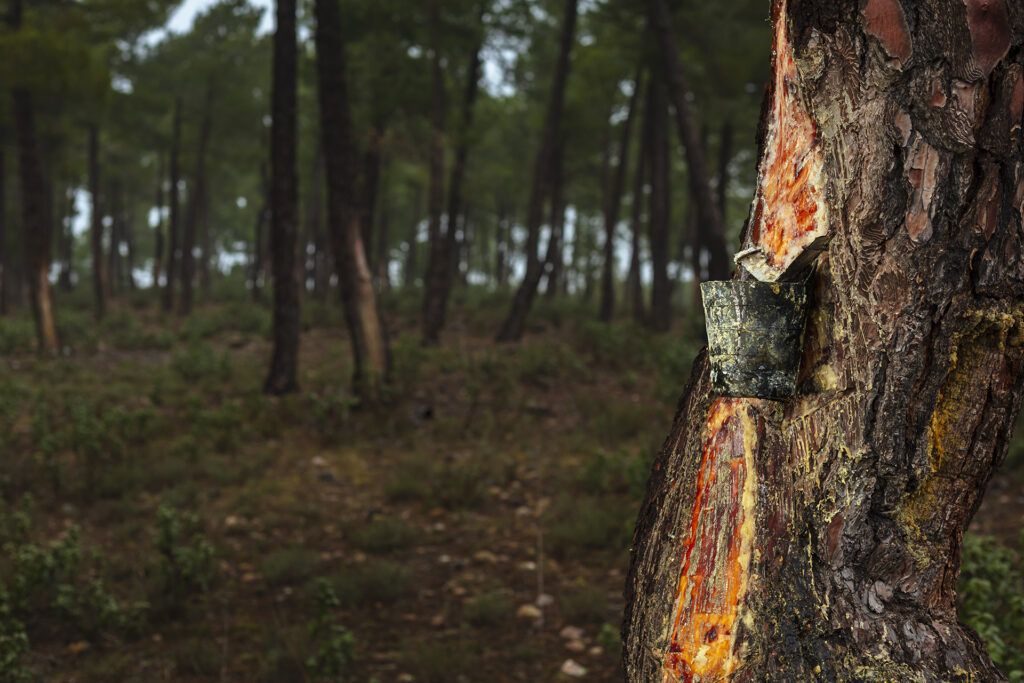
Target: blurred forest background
(493, 214)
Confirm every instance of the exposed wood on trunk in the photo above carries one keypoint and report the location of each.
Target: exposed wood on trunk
(513, 327)
(196, 197)
(709, 219)
(442, 274)
(282, 377)
(174, 201)
(660, 316)
(818, 538)
(613, 204)
(358, 296)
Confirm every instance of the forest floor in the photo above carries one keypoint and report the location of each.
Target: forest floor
(162, 520)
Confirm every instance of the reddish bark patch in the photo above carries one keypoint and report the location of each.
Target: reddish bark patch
(885, 20)
(989, 24)
(922, 167)
(938, 94)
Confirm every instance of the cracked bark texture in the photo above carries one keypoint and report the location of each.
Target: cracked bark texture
(818, 538)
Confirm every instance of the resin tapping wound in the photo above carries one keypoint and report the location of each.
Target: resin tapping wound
(790, 217)
(716, 549)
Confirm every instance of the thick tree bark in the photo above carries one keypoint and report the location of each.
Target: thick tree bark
(358, 297)
(196, 197)
(443, 272)
(37, 220)
(709, 219)
(284, 204)
(99, 277)
(174, 200)
(613, 203)
(660, 317)
(818, 538)
(514, 325)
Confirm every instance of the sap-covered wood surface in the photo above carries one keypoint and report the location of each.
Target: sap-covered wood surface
(862, 485)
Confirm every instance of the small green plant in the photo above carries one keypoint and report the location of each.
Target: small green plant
(335, 644)
(992, 600)
(383, 535)
(488, 609)
(288, 566)
(374, 582)
(13, 643)
(198, 362)
(186, 556)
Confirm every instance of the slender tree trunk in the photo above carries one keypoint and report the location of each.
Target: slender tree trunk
(554, 255)
(502, 247)
(129, 243)
(4, 253)
(724, 157)
(660, 317)
(37, 212)
(99, 276)
(196, 195)
(171, 268)
(113, 275)
(371, 188)
(383, 260)
(613, 204)
(434, 280)
(206, 257)
(359, 300)
(818, 538)
(284, 204)
(65, 278)
(410, 268)
(315, 268)
(37, 221)
(634, 284)
(445, 271)
(514, 325)
(257, 266)
(158, 230)
(696, 163)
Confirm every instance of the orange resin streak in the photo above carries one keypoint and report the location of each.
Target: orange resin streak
(789, 210)
(716, 550)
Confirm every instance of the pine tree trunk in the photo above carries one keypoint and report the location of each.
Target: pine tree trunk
(818, 538)
(444, 271)
(410, 267)
(206, 254)
(158, 231)
(553, 256)
(36, 210)
(258, 264)
(113, 274)
(634, 284)
(358, 297)
(284, 204)
(433, 280)
(4, 254)
(65, 279)
(515, 324)
(502, 248)
(708, 216)
(196, 194)
(174, 199)
(383, 260)
(660, 317)
(99, 276)
(613, 203)
(317, 270)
